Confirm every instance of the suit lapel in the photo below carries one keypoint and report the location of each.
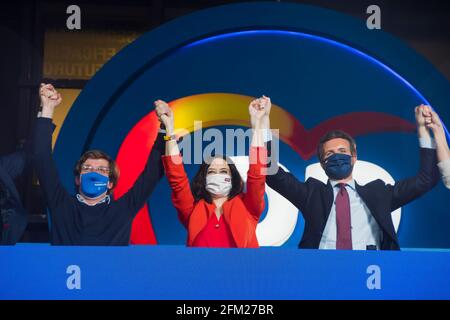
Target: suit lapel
(369, 200)
(384, 221)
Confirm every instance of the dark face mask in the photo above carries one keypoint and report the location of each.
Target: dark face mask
(338, 166)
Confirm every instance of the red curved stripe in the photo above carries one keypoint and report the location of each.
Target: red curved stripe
(305, 142)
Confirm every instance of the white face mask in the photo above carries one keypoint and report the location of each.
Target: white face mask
(218, 184)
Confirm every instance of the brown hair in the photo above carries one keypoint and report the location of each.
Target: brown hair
(114, 172)
(198, 185)
(335, 134)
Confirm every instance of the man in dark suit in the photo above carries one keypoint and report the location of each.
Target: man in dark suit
(343, 214)
(13, 216)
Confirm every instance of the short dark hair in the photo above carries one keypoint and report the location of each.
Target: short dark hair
(335, 134)
(198, 185)
(114, 172)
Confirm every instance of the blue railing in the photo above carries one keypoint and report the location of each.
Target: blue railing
(40, 271)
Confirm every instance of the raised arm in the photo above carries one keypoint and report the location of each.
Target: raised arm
(42, 147)
(182, 197)
(427, 177)
(283, 182)
(256, 176)
(141, 190)
(434, 123)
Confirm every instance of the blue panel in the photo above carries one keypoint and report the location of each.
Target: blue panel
(170, 272)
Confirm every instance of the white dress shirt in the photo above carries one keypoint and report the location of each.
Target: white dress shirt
(365, 230)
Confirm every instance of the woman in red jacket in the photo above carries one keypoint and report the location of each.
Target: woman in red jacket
(216, 211)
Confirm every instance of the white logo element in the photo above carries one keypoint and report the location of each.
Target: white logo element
(74, 280)
(363, 172)
(281, 218)
(74, 20)
(374, 280)
(235, 139)
(374, 20)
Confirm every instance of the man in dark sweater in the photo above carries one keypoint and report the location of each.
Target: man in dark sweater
(92, 216)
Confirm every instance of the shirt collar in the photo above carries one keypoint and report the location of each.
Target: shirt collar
(106, 199)
(351, 183)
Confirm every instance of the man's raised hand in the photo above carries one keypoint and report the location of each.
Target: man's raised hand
(165, 114)
(50, 98)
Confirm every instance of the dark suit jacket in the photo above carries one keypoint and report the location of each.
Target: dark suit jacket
(14, 218)
(314, 199)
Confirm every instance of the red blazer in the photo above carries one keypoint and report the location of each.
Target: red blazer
(241, 212)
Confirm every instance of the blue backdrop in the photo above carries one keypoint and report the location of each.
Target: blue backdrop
(314, 63)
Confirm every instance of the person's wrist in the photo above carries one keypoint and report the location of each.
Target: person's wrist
(257, 124)
(169, 129)
(47, 112)
(421, 129)
(47, 106)
(170, 137)
(440, 139)
(265, 122)
(420, 124)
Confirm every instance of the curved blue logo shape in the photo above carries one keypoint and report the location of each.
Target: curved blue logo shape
(318, 38)
(315, 63)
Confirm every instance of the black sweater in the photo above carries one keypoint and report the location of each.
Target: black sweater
(75, 223)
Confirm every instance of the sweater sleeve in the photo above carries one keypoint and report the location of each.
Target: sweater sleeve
(287, 185)
(141, 190)
(406, 190)
(45, 166)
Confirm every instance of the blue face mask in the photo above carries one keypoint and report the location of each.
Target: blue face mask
(338, 166)
(93, 184)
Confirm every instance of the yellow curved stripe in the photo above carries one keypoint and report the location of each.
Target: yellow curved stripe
(215, 109)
